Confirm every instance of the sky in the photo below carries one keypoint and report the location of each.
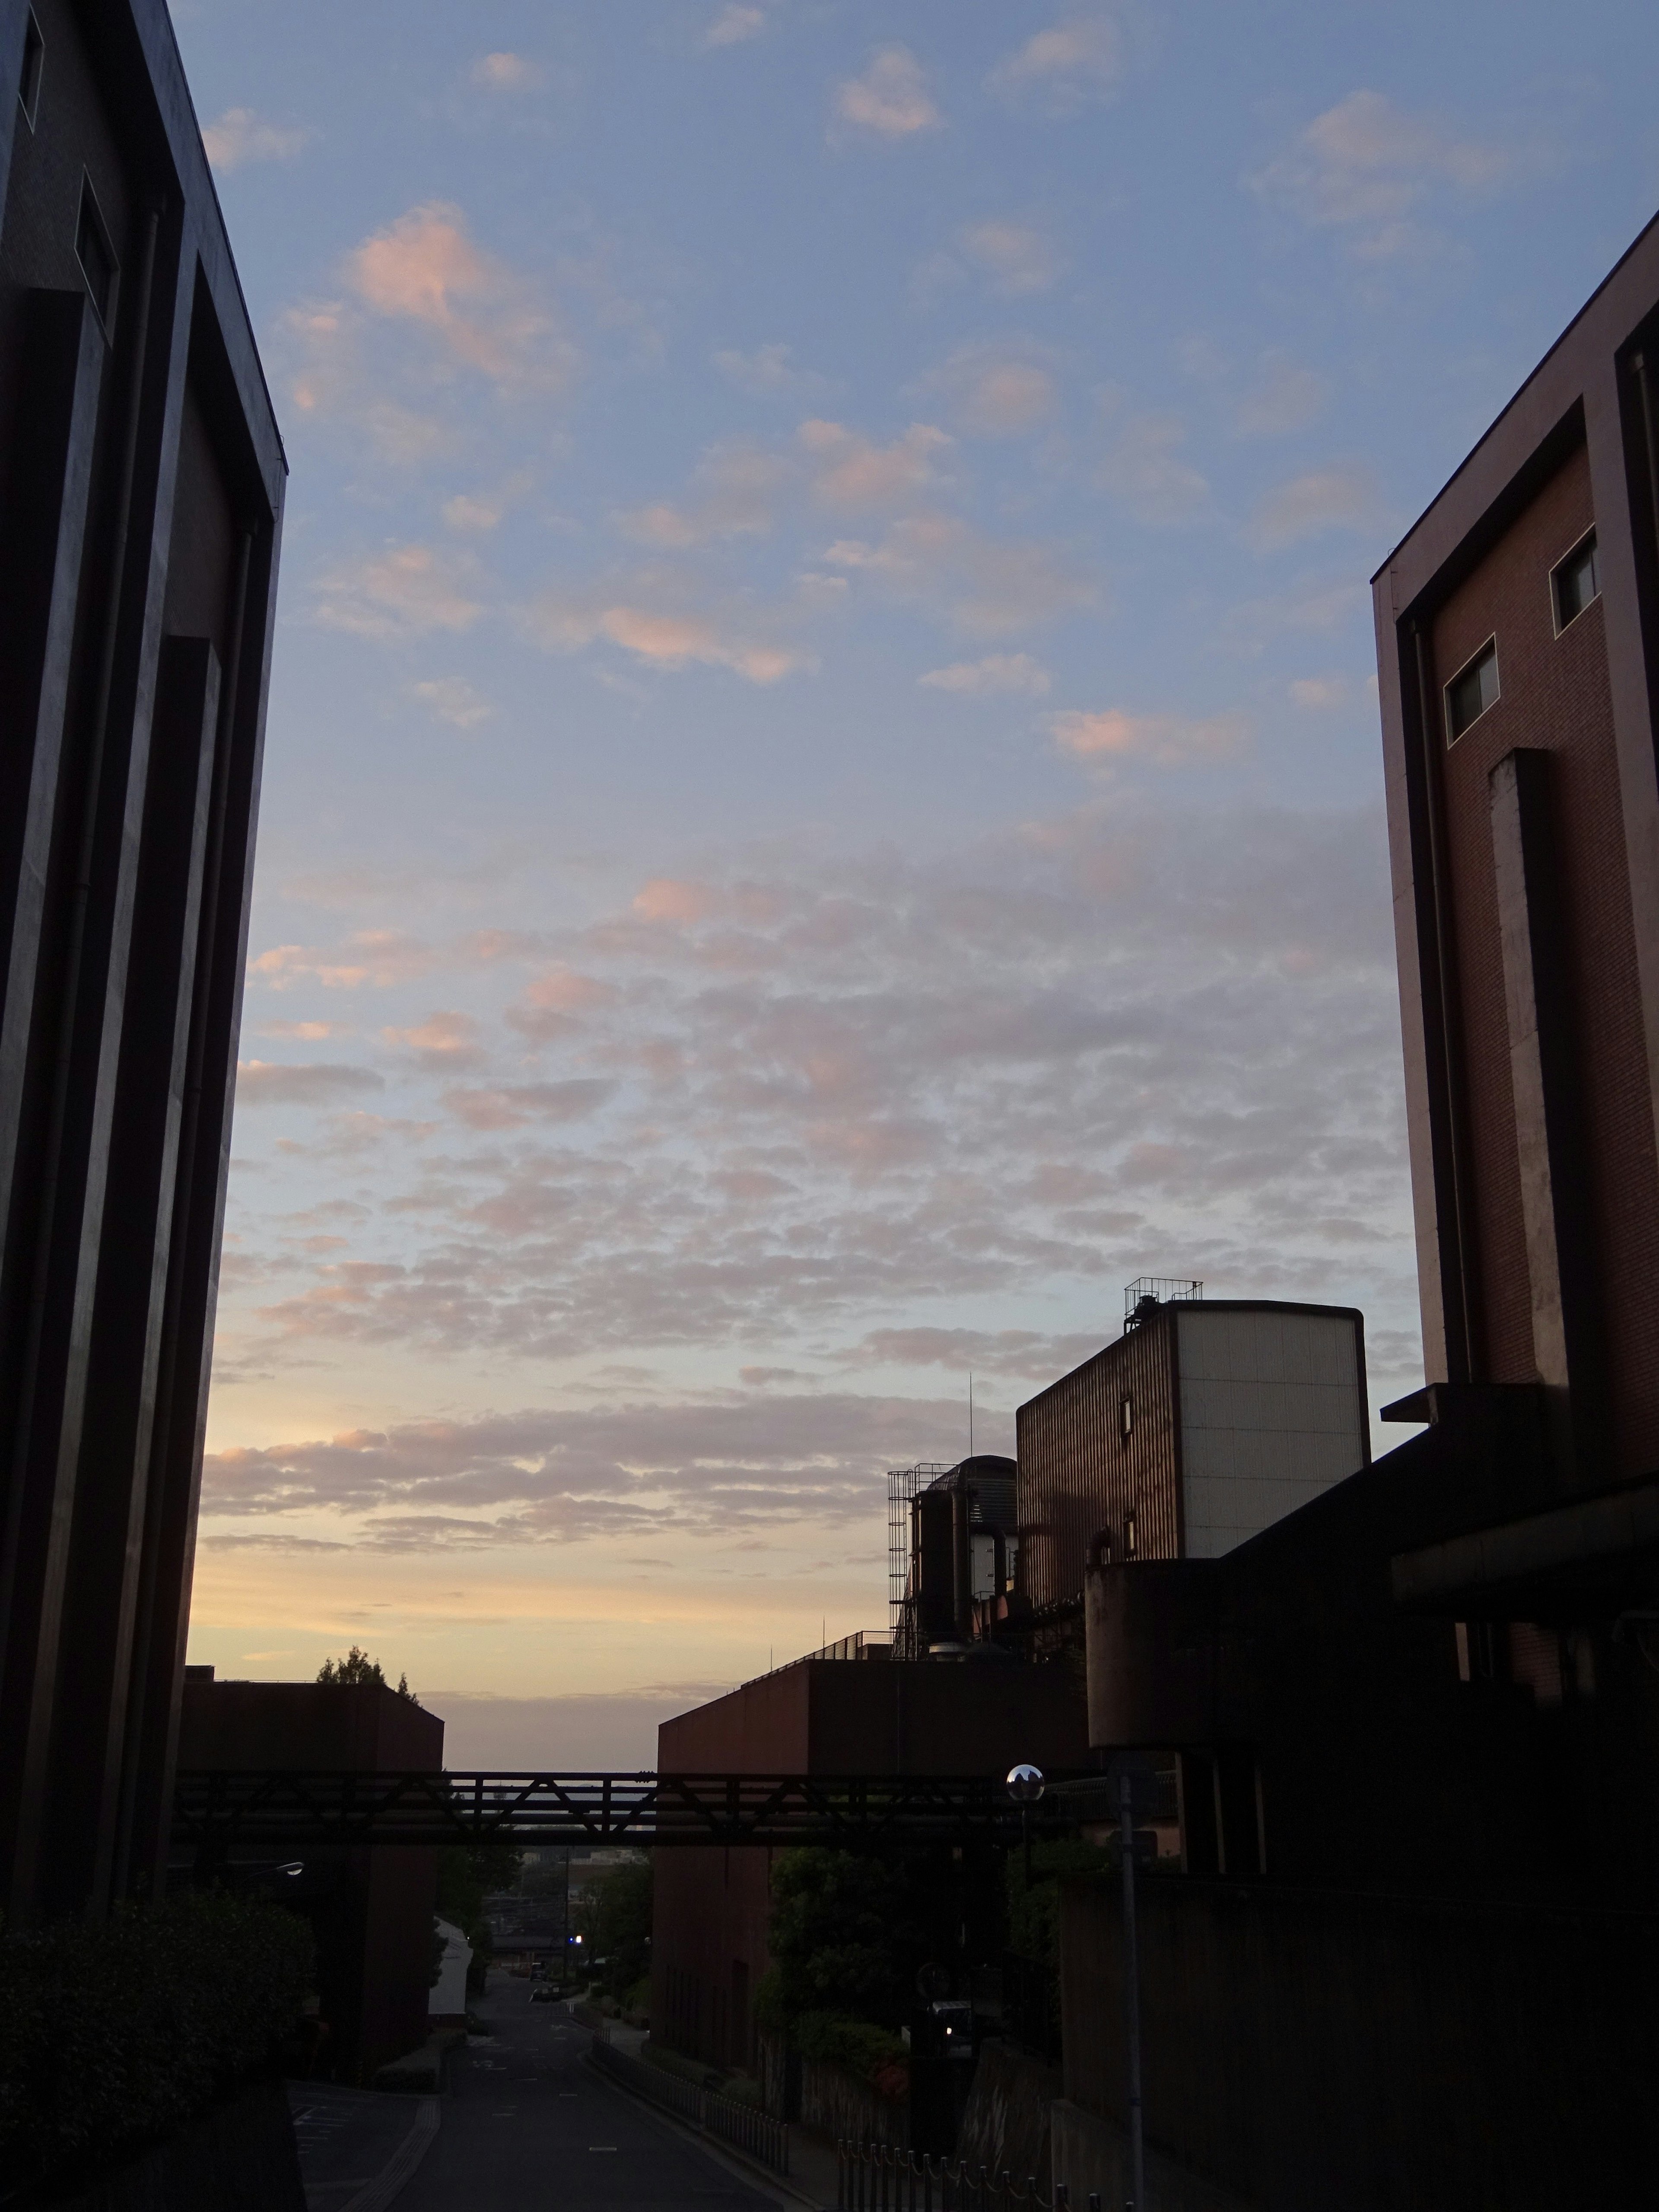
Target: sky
(822, 802)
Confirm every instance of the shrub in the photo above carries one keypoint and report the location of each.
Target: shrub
(116, 2032)
(870, 2054)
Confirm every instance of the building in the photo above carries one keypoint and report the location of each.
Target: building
(1414, 1955)
(1205, 1422)
(952, 1544)
(371, 1911)
(139, 525)
(1517, 623)
(853, 1709)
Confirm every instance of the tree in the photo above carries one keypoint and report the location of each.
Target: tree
(841, 1936)
(613, 1917)
(357, 1668)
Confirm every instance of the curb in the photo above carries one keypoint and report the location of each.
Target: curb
(403, 2162)
(723, 2154)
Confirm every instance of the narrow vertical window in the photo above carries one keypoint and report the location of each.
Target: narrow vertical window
(1575, 582)
(1126, 1419)
(1129, 1537)
(28, 81)
(96, 256)
(1471, 691)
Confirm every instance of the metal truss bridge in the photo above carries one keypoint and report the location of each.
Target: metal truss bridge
(275, 1811)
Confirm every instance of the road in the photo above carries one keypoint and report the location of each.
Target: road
(527, 2126)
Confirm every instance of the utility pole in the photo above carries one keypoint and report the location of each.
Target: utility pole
(1126, 1794)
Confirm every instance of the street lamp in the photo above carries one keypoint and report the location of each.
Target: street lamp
(1024, 1786)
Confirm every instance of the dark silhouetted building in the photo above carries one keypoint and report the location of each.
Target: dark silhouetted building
(141, 494)
(1413, 1958)
(859, 1712)
(371, 1911)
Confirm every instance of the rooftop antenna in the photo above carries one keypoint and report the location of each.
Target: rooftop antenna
(970, 1412)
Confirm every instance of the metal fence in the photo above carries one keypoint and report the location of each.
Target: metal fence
(744, 2126)
(877, 2178)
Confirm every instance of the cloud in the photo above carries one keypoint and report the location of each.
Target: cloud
(445, 1039)
(240, 135)
(1022, 1352)
(985, 587)
(380, 958)
(270, 1083)
(846, 1097)
(404, 593)
(767, 372)
(1287, 397)
(1073, 62)
(997, 391)
(1018, 255)
(426, 269)
(743, 1464)
(733, 491)
(517, 1105)
(1145, 469)
(891, 98)
(1165, 740)
(652, 619)
(734, 24)
(1342, 498)
(1318, 694)
(453, 700)
(998, 672)
(851, 471)
(1365, 167)
(506, 73)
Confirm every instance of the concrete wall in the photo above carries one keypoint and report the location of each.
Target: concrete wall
(1307, 2049)
(1272, 1411)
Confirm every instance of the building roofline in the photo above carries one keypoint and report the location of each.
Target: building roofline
(1196, 1306)
(1539, 367)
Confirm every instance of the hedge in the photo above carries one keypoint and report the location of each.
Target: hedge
(112, 2033)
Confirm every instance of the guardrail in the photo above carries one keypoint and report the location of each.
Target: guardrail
(877, 2178)
(744, 2126)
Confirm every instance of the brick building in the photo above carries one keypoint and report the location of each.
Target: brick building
(1204, 1422)
(371, 1911)
(867, 1714)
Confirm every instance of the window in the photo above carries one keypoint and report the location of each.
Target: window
(28, 82)
(1129, 1537)
(1471, 691)
(1126, 1419)
(1575, 582)
(96, 256)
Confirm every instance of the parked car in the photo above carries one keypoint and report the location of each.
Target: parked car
(543, 1993)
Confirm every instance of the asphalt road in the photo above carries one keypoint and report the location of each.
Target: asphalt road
(527, 2126)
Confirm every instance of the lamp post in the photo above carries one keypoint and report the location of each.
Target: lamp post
(1025, 1786)
(1132, 1776)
